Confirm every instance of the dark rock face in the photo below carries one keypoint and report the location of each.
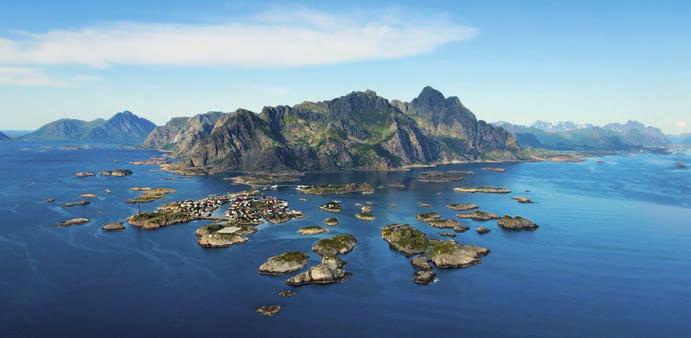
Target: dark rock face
(331, 270)
(181, 132)
(124, 127)
(359, 130)
(424, 277)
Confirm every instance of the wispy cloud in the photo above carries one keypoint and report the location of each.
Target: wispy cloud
(27, 77)
(271, 39)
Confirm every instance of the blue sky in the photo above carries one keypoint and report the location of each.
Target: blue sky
(519, 61)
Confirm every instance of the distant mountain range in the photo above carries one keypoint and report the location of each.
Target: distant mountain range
(4, 137)
(572, 136)
(360, 130)
(124, 127)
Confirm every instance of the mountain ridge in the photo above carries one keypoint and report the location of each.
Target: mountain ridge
(360, 130)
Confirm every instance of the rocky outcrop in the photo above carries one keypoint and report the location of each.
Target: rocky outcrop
(116, 172)
(421, 262)
(74, 221)
(115, 226)
(404, 238)
(462, 206)
(124, 127)
(478, 215)
(284, 263)
(219, 236)
(336, 245)
(331, 270)
(516, 223)
(424, 277)
(269, 310)
(450, 254)
(312, 230)
(358, 130)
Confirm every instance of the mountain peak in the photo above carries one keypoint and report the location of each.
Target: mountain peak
(430, 94)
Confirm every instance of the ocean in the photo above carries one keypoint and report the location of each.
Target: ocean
(612, 256)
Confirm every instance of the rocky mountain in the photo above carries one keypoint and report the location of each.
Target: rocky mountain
(181, 132)
(124, 127)
(634, 132)
(4, 137)
(585, 137)
(358, 130)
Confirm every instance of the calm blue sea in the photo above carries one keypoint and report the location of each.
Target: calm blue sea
(612, 257)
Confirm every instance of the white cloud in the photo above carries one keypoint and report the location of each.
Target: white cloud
(271, 39)
(681, 124)
(27, 77)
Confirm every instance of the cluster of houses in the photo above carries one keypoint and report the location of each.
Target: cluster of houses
(253, 208)
(202, 208)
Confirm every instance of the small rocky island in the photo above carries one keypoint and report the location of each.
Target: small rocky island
(462, 206)
(516, 223)
(223, 235)
(443, 254)
(336, 189)
(522, 200)
(330, 270)
(116, 172)
(483, 189)
(336, 245)
(73, 221)
(312, 230)
(85, 174)
(264, 179)
(478, 215)
(331, 221)
(495, 169)
(284, 263)
(443, 176)
(427, 216)
(332, 206)
(81, 203)
(269, 310)
(115, 226)
(365, 216)
(681, 165)
(149, 194)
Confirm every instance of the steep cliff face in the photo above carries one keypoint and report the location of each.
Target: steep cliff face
(124, 127)
(357, 131)
(458, 133)
(182, 133)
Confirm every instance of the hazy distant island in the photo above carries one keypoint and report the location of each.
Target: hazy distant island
(4, 137)
(124, 127)
(571, 136)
